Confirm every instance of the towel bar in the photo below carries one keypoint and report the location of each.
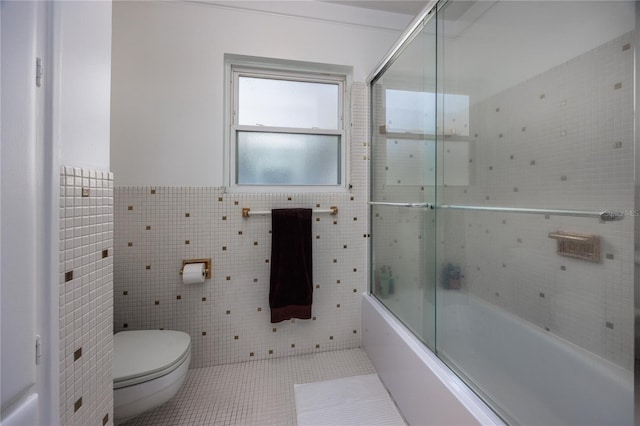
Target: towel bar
(246, 211)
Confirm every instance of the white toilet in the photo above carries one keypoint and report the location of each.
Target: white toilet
(149, 366)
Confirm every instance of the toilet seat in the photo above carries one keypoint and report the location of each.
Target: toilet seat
(143, 355)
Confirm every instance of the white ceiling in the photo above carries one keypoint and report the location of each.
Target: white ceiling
(410, 7)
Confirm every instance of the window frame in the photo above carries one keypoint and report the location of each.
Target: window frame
(236, 67)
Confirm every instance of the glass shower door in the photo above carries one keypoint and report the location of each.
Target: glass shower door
(534, 288)
(403, 157)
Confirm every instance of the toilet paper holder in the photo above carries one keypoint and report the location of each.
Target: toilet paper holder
(207, 265)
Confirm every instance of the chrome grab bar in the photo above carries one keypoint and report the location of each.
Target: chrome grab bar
(605, 216)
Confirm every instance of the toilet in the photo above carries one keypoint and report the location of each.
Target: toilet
(149, 366)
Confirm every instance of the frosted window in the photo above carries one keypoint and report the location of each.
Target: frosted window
(415, 112)
(410, 111)
(287, 159)
(286, 128)
(287, 103)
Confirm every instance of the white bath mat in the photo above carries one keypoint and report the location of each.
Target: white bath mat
(350, 401)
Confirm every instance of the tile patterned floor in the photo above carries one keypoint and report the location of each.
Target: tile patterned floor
(251, 393)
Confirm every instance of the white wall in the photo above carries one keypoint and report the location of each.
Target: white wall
(66, 119)
(167, 75)
(21, 197)
(79, 79)
(83, 77)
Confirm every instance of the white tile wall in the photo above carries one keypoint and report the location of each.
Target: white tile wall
(560, 140)
(228, 316)
(563, 139)
(86, 297)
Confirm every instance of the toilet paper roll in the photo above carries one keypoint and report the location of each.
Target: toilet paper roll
(193, 273)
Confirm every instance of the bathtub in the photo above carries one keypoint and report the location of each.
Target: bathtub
(562, 384)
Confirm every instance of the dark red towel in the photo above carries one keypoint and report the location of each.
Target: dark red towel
(291, 287)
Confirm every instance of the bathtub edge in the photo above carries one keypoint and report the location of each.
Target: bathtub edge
(409, 370)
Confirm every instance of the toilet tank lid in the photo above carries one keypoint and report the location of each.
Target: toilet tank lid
(139, 353)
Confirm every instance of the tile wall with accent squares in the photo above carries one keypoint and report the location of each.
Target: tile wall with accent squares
(86, 296)
(560, 140)
(228, 316)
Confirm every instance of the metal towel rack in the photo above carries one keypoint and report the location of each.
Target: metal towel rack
(605, 216)
(246, 211)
